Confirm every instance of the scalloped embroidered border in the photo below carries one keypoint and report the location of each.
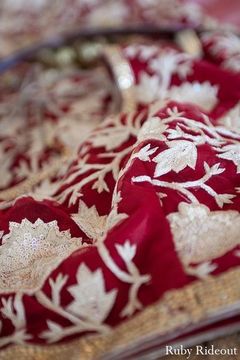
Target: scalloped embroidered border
(177, 308)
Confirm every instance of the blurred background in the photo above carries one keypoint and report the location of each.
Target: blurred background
(26, 22)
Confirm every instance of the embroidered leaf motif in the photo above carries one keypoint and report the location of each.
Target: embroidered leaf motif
(168, 63)
(153, 128)
(144, 153)
(143, 52)
(232, 153)
(148, 88)
(114, 218)
(126, 251)
(110, 138)
(45, 190)
(202, 270)
(231, 119)
(202, 94)
(90, 221)
(56, 287)
(13, 310)
(222, 199)
(181, 153)
(54, 333)
(91, 301)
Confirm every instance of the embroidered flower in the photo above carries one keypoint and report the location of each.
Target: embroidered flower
(94, 225)
(153, 128)
(232, 153)
(181, 153)
(170, 62)
(30, 252)
(110, 138)
(126, 251)
(192, 227)
(143, 52)
(231, 119)
(148, 88)
(91, 301)
(228, 43)
(201, 94)
(44, 190)
(90, 221)
(232, 63)
(144, 153)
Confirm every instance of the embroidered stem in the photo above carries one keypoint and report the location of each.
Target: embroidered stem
(173, 186)
(80, 325)
(135, 278)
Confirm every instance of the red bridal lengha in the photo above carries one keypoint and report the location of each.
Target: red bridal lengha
(120, 232)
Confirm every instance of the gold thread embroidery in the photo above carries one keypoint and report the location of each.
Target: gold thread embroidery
(30, 251)
(192, 227)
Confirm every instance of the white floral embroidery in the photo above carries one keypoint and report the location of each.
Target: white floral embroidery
(143, 52)
(30, 252)
(144, 153)
(192, 227)
(233, 63)
(45, 190)
(195, 133)
(231, 120)
(48, 90)
(153, 128)
(181, 153)
(132, 276)
(114, 218)
(94, 225)
(90, 221)
(126, 251)
(227, 45)
(56, 288)
(232, 153)
(110, 135)
(148, 89)
(202, 94)
(164, 64)
(13, 310)
(171, 62)
(183, 187)
(88, 309)
(167, 11)
(91, 301)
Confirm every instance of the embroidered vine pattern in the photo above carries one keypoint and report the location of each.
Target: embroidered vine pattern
(110, 136)
(90, 302)
(87, 311)
(31, 137)
(183, 153)
(225, 45)
(182, 137)
(13, 309)
(96, 227)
